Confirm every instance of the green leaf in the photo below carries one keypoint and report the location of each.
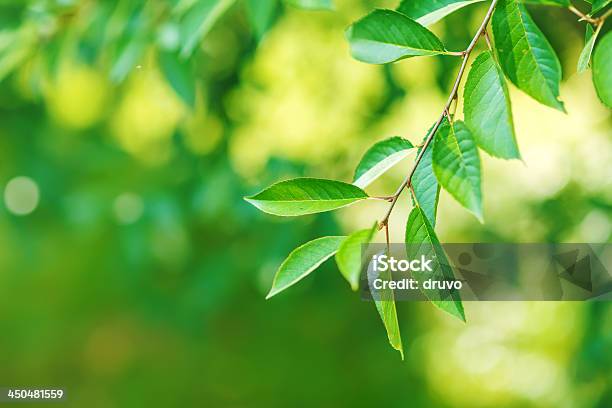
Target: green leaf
(385, 36)
(302, 261)
(585, 55)
(560, 3)
(312, 4)
(260, 14)
(456, 164)
(198, 21)
(15, 47)
(599, 5)
(421, 239)
(384, 300)
(128, 48)
(303, 196)
(380, 158)
(425, 185)
(525, 54)
(602, 70)
(349, 257)
(427, 12)
(179, 75)
(487, 109)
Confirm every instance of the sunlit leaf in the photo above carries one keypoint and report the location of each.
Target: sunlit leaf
(560, 3)
(302, 261)
(198, 21)
(350, 258)
(525, 55)
(386, 36)
(585, 55)
(421, 239)
(602, 70)
(456, 164)
(599, 5)
(487, 109)
(312, 4)
(425, 185)
(303, 196)
(384, 300)
(427, 12)
(380, 158)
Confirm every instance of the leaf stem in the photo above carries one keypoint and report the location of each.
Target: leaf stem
(465, 56)
(583, 17)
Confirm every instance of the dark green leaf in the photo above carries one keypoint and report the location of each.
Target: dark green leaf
(302, 261)
(487, 108)
(303, 196)
(312, 4)
(456, 164)
(525, 55)
(425, 185)
(421, 239)
(380, 158)
(349, 257)
(179, 75)
(427, 12)
(386, 36)
(585, 55)
(602, 69)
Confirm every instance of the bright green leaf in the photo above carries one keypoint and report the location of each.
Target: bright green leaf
(303, 196)
(384, 300)
(312, 4)
(427, 12)
(425, 185)
(349, 257)
(380, 158)
(599, 5)
(421, 239)
(386, 36)
(585, 55)
(302, 261)
(179, 75)
(560, 3)
(487, 109)
(198, 21)
(456, 164)
(602, 69)
(525, 55)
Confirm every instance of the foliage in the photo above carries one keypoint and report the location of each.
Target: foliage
(117, 37)
(449, 155)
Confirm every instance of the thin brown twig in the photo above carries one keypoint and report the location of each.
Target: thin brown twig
(583, 16)
(387, 237)
(465, 56)
(485, 33)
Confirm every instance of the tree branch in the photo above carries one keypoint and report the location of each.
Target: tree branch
(465, 55)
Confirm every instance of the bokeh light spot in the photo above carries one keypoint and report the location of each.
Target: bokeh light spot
(21, 195)
(128, 208)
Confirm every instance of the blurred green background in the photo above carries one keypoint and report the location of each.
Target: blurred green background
(133, 274)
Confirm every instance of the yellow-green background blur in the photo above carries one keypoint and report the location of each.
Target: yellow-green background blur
(133, 274)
